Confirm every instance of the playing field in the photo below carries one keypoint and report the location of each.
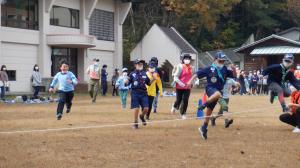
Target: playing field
(256, 138)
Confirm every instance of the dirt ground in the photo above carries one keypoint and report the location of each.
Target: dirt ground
(256, 139)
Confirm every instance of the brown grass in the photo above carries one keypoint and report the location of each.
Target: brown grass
(256, 139)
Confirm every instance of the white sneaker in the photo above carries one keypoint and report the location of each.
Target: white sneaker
(173, 110)
(183, 117)
(296, 130)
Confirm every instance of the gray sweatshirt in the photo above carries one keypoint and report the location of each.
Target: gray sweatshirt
(36, 78)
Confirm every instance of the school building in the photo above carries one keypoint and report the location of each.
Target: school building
(45, 32)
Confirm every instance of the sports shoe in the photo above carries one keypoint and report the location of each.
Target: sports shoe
(59, 116)
(135, 125)
(143, 120)
(173, 110)
(183, 117)
(147, 117)
(203, 132)
(296, 130)
(228, 123)
(68, 111)
(154, 111)
(213, 121)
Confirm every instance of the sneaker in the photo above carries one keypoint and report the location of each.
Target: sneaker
(183, 117)
(173, 110)
(203, 132)
(228, 123)
(154, 111)
(213, 121)
(296, 130)
(285, 109)
(59, 117)
(135, 125)
(147, 117)
(272, 97)
(68, 111)
(143, 120)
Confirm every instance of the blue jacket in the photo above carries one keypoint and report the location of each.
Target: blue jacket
(278, 74)
(121, 83)
(138, 81)
(61, 79)
(216, 78)
(103, 75)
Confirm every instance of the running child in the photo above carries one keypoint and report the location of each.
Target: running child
(138, 80)
(278, 75)
(182, 76)
(293, 117)
(225, 99)
(123, 88)
(152, 89)
(216, 76)
(66, 81)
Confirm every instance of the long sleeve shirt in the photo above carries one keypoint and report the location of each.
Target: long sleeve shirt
(151, 89)
(216, 78)
(278, 74)
(62, 79)
(121, 83)
(138, 81)
(36, 78)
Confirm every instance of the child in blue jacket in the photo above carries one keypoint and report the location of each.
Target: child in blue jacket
(123, 88)
(138, 80)
(66, 81)
(216, 76)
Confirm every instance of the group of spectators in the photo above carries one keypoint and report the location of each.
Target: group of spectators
(252, 83)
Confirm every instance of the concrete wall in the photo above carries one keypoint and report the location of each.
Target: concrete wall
(20, 49)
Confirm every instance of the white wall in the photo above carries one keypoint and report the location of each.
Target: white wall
(107, 5)
(105, 57)
(20, 57)
(74, 4)
(156, 44)
(19, 35)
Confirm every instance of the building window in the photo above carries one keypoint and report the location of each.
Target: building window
(12, 75)
(61, 16)
(64, 54)
(101, 25)
(20, 14)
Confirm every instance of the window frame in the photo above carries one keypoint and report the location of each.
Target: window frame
(9, 75)
(71, 22)
(31, 23)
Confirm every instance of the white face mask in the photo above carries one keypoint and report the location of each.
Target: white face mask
(125, 73)
(220, 65)
(4, 69)
(287, 65)
(36, 68)
(140, 68)
(186, 61)
(298, 67)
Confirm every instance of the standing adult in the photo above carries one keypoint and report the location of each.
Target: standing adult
(104, 75)
(260, 83)
(36, 79)
(254, 81)
(3, 81)
(94, 72)
(242, 83)
(114, 81)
